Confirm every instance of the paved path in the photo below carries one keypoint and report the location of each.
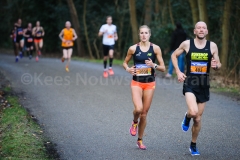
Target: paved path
(88, 117)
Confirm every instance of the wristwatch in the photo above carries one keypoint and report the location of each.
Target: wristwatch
(155, 66)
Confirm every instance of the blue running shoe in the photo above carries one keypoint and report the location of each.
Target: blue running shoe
(21, 55)
(16, 60)
(185, 126)
(194, 151)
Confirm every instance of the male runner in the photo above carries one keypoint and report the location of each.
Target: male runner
(19, 43)
(201, 54)
(109, 33)
(38, 33)
(67, 35)
(29, 40)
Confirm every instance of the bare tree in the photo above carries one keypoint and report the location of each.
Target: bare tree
(148, 12)
(225, 34)
(85, 29)
(203, 15)
(170, 12)
(133, 19)
(194, 9)
(76, 24)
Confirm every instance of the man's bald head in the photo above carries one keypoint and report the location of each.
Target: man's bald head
(200, 23)
(68, 24)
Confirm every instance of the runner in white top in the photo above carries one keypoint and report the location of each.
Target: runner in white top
(109, 33)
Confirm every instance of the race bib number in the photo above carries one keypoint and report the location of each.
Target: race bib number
(110, 36)
(199, 67)
(39, 34)
(20, 32)
(143, 70)
(69, 43)
(29, 40)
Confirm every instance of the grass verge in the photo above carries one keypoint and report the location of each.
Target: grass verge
(21, 137)
(116, 61)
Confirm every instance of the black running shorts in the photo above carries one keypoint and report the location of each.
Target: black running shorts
(106, 49)
(201, 93)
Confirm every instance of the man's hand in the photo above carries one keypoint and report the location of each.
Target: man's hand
(214, 63)
(181, 76)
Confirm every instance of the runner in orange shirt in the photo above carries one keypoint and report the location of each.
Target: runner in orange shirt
(67, 35)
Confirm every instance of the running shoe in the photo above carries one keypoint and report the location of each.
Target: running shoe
(141, 145)
(67, 69)
(30, 57)
(111, 71)
(133, 129)
(63, 59)
(37, 59)
(194, 151)
(105, 74)
(185, 126)
(16, 60)
(21, 55)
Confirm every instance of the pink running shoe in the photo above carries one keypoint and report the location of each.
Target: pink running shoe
(105, 74)
(37, 59)
(111, 71)
(141, 145)
(133, 129)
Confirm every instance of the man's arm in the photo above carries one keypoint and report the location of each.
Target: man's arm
(75, 35)
(115, 36)
(60, 35)
(215, 63)
(175, 54)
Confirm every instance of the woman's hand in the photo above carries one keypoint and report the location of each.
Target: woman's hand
(149, 63)
(131, 70)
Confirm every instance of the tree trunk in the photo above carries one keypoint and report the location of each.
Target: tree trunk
(225, 35)
(164, 12)
(170, 12)
(194, 9)
(148, 12)
(203, 15)
(157, 11)
(121, 25)
(76, 24)
(85, 29)
(133, 19)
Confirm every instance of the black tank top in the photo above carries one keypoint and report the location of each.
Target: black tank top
(19, 32)
(39, 33)
(30, 38)
(144, 73)
(198, 65)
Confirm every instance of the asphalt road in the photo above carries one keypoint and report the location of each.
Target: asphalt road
(88, 117)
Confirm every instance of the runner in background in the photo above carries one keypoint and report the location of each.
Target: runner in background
(38, 33)
(109, 33)
(67, 35)
(29, 40)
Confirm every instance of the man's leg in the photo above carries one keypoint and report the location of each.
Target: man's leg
(69, 55)
(21, 47)
(111, 51)
(105, 58)
(197, 122)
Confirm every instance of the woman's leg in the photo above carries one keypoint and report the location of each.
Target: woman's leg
(147, 100)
